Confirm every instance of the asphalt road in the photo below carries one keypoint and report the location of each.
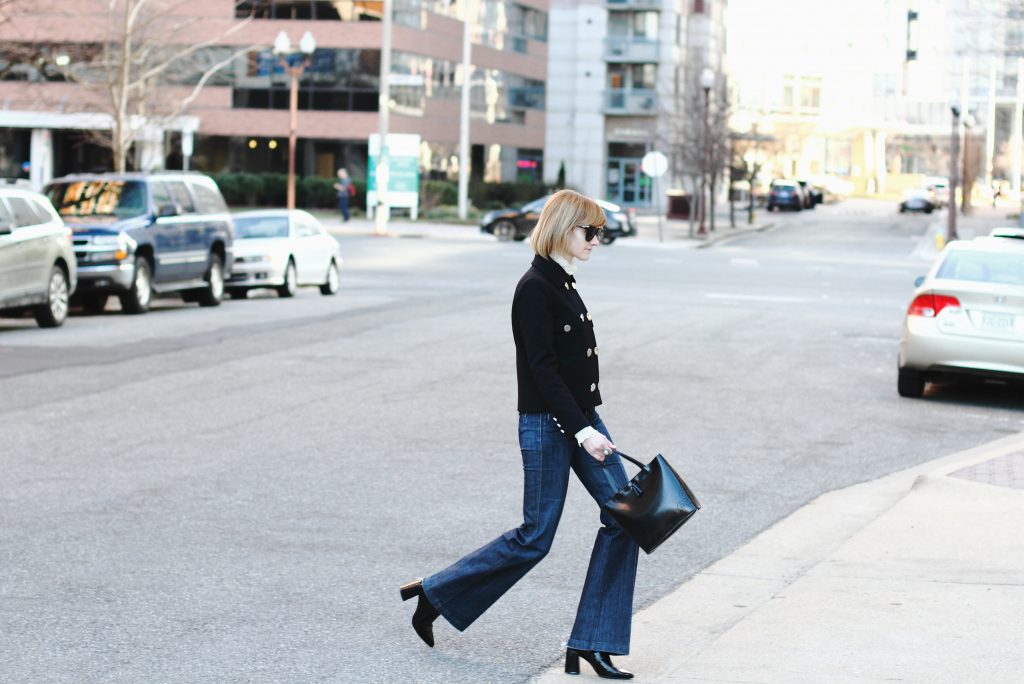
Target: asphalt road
(235, 494)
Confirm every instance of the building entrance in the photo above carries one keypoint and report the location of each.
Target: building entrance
(626, 184)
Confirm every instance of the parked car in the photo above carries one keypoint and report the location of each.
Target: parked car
(966, 316)
(139, 234)
(516, 224)
(784, 193)
(939, 189)
(917, 199)
(813, 195)
(37, 262)
(284, 250)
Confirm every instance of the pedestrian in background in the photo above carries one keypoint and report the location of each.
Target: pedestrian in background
(344, 187)
(559, 430)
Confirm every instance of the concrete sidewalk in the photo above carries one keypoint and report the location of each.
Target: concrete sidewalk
(916, 577)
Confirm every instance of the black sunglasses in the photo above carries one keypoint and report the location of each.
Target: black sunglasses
(591, 232)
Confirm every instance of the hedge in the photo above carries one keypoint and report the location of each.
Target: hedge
(316, 192)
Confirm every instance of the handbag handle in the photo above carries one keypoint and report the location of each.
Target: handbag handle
(638, 464)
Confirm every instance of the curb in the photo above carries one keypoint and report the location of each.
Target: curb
(734, 232)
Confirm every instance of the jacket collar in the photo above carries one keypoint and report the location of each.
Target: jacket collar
(553, 272)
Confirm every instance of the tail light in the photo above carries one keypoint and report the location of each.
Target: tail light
(929, 305)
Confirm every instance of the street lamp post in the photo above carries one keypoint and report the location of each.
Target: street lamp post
(954, 170)
(707, 81)
(295, 61)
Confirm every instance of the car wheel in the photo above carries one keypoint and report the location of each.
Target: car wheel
(55, 310)
(213, 293)
(910, 383)
(95, 303)
(330, 285)
(607, 239)
(288, 288)
(504, 230)
(137, 299)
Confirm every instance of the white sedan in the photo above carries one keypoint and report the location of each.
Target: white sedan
(282, 249)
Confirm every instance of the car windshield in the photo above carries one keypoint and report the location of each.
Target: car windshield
(261, 227)
(99, 198)
(1006, 268)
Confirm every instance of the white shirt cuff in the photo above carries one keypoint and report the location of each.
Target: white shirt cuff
(585, 434)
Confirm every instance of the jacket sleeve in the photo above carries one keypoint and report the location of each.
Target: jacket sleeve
(534, 320)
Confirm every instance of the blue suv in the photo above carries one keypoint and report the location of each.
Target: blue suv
(140, 234)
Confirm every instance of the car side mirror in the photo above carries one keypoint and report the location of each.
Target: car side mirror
(918, 280)
(166, 210)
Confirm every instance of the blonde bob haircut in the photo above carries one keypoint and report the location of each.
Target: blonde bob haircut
(564, 211)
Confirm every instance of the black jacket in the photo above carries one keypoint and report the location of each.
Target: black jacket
(556, 351)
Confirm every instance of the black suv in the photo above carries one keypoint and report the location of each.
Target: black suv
(140, 234)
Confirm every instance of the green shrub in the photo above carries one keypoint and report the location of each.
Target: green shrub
(447, 212)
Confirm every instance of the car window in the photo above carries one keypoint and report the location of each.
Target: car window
(6, 220)
(161, 195)
(181, 196)
(305, 228)
(985, 267)
(42, 214)
(209, 201)
(251, 227)
(22, 210)
(535, 206)
(99, 198)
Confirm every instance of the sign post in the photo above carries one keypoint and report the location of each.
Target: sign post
(655, 164)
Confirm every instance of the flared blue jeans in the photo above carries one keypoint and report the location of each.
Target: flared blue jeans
(464, 590)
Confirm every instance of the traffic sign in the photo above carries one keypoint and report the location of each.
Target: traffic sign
(654, 164)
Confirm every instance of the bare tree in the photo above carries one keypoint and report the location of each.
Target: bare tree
(131, 68)
(696, 145)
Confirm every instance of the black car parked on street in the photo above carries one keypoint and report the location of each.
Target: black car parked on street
(786, 194)
(516, 224)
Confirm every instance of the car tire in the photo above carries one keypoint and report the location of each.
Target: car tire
(910, 383)
(213, 293)
(95, 303)
(137, 299)
(505, 231)
(288, 288)
(330, 286)
(607, 239)
(53, 313)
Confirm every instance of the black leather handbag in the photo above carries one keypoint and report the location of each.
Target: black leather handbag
(654, 504)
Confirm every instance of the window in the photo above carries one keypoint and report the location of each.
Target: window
(23, 214)
(209, 201)
(698, 6)
(161, 196)
(335, 80)
(42, 215)
(330, 10)
(6, 220)
(112, 198)
(181, 197)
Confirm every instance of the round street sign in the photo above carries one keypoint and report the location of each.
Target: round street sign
(654, 164)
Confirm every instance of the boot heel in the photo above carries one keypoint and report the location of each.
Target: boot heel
(572, 662)
(411, 589)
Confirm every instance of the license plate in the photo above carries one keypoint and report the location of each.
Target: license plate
(997, 321)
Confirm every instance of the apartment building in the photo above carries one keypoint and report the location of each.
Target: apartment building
(617, 75)
(53, 101)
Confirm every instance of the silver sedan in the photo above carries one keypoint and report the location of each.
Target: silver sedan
(284, 250)
(967, 316)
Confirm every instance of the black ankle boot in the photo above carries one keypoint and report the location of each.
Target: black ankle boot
(599, 660)
(423, 618)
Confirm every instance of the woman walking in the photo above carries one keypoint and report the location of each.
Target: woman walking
(559, 431)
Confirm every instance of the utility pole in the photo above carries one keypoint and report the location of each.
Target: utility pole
(954, 170)
(468, 13)
(383, 208)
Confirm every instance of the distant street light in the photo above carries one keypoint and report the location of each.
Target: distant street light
(707, 82)
(295, 61)
(954, 170)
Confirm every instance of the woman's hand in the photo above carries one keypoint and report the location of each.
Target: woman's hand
(598, 446)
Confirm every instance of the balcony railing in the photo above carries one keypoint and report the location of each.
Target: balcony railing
(626, 49)
(631, 101)
(633, 4)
